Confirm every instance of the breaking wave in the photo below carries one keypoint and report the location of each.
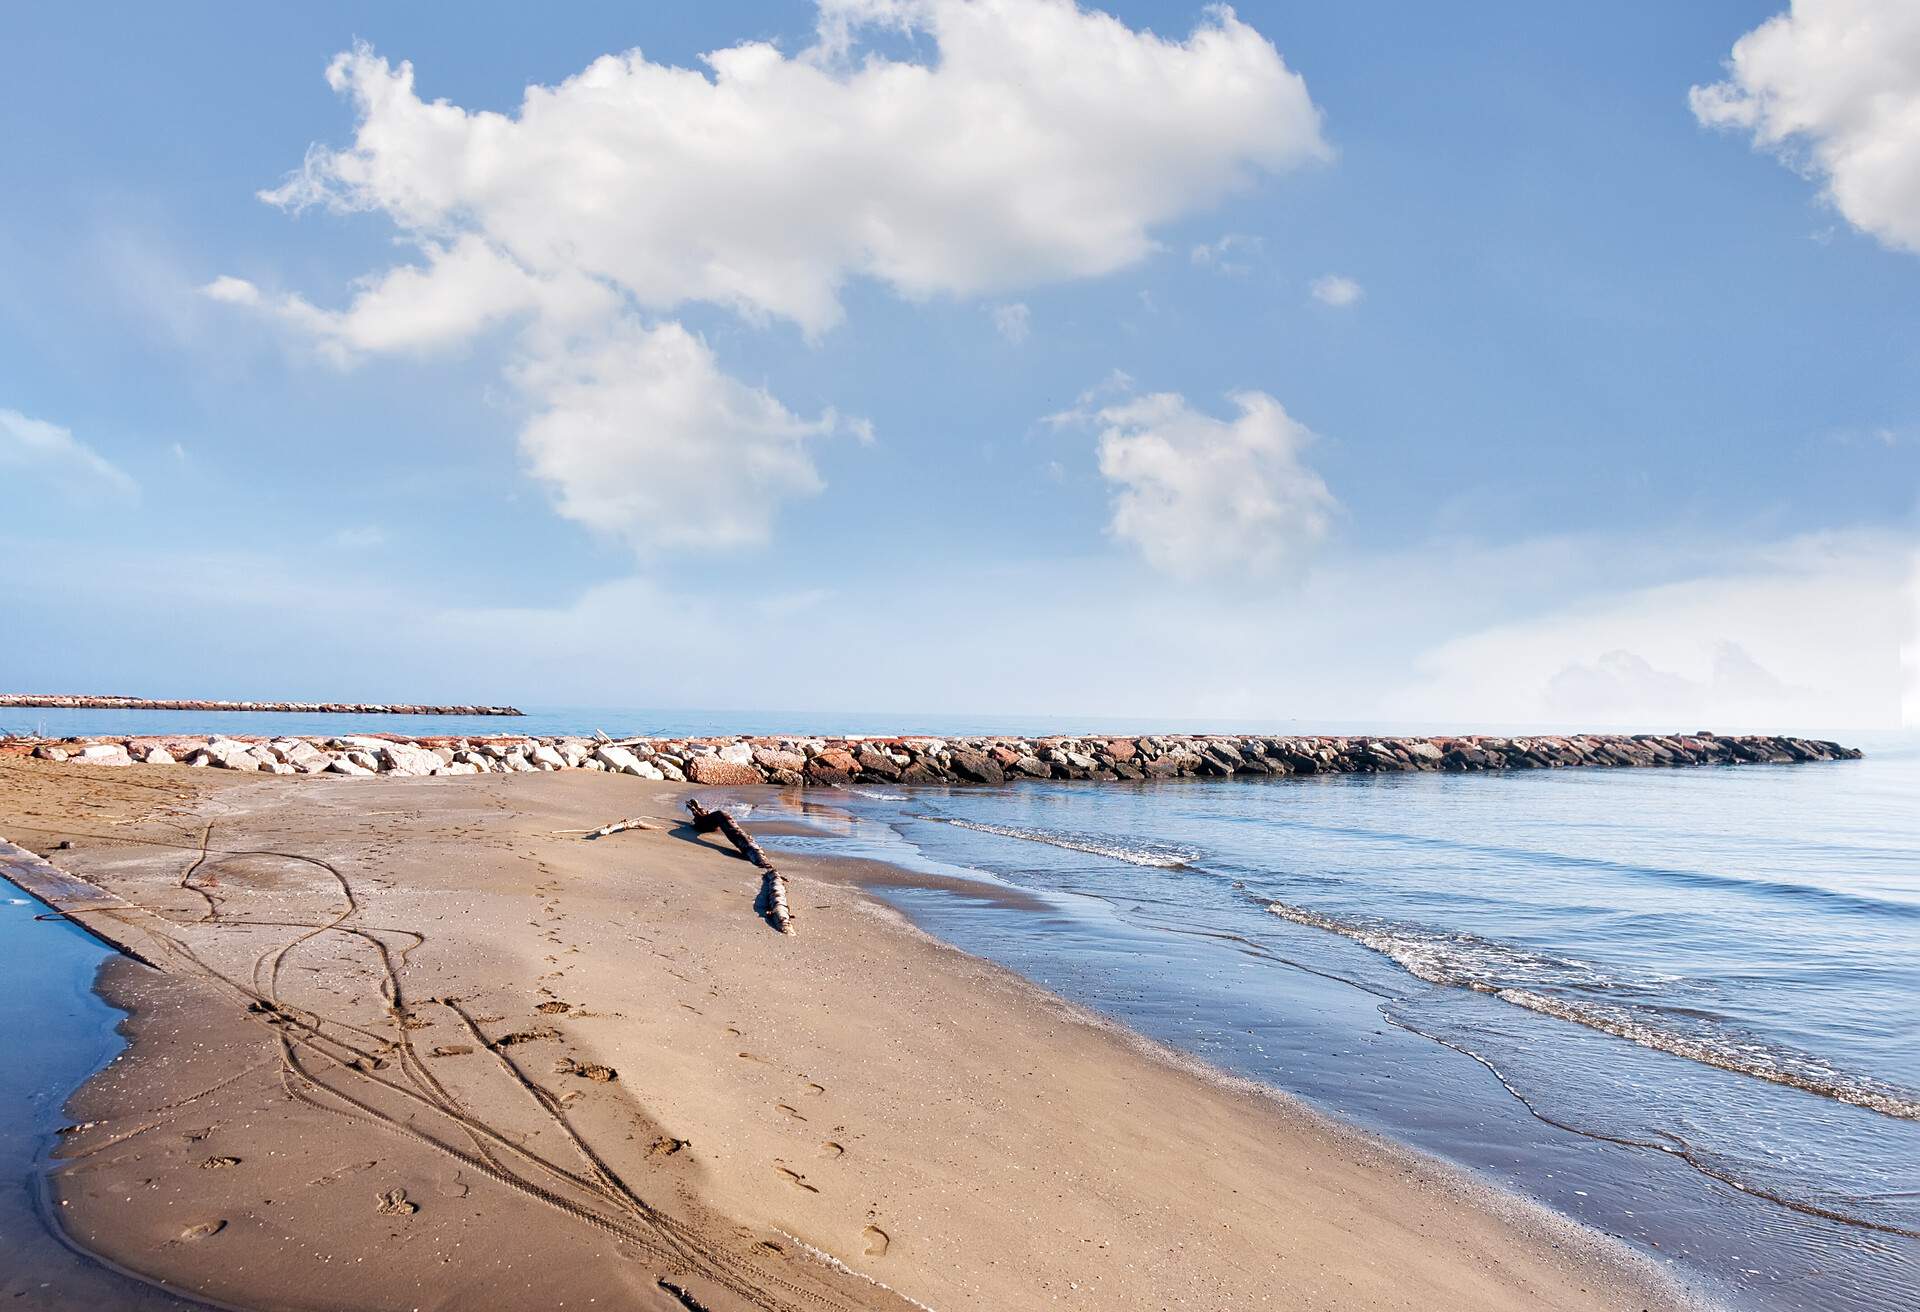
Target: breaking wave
(1519, 976)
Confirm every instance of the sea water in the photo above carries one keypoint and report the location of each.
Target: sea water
(1682, 1006)
(55, 1031)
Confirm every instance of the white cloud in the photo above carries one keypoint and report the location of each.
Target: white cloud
(1834, 87)
(464, 288)
(1335, 290)
(1013, 322)
(643, 437)
(1039, 142)
(1043, 142)
(37, 447)
(1229, 255)
(1199, 495)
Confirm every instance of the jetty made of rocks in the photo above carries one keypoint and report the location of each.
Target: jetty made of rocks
(65, 701)
(791, 761)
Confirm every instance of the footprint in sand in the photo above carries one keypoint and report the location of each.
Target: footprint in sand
(816, 1089)
(205, 1230)
(797, 1179)
(878, 1241)
(791, 1111)
(748, 1056)
(832, 1149)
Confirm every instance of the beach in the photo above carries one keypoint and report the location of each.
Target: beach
(417, 1043)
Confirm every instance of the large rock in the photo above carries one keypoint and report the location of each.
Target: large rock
(876, 762)
(737, 753)
(777, 758)
(158, 756)
(408, 759)
(300, 754)
(617, 758)
(546, 758)
(978, 767)
(103, 754)
(832, 765)
(718, 772)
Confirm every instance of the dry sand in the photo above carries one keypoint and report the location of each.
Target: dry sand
(409, 1047)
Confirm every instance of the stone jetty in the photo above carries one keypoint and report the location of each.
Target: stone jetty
(920, 760)
(65, 701)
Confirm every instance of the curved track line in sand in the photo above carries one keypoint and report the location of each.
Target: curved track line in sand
(333, 1065)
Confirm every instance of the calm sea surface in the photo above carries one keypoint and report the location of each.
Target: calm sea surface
(1682, 1006)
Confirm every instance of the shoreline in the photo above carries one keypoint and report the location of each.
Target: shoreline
(1125, 1132)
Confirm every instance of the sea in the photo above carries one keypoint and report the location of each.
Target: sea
(1679, 1006)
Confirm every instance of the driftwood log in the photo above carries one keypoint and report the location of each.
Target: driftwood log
(773, 885)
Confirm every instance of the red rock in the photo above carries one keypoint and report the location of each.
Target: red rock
(713, 770)
(834, 766)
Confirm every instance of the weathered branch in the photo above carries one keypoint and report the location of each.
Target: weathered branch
(773, 885)
(614, 827)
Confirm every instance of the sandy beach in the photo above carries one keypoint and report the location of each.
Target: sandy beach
(414, 1043)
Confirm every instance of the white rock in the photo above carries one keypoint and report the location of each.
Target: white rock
(346, 766)
(737, 754)
(363, 761)
(647, 771)
(574, 752)
(159, 756)
(668, 770)
(546, 758)
(408, 759)
(103, 754)
(616, 758)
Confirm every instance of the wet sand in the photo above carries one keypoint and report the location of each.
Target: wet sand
(412, 1045)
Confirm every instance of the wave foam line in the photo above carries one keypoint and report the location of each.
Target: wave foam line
(1464, 962)
(1166, 858)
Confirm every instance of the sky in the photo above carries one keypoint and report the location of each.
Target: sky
(1497, 364)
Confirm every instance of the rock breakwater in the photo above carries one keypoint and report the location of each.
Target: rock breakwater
(64, 701)
(794, 761)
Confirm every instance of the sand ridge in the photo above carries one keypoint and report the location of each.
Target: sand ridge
(414, 1045)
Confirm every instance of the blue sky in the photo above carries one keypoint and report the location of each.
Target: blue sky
(973, 364)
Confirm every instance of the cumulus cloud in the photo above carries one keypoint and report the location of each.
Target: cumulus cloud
(1335, 290)
(1037, 142)
(1042, 142)
(1013, 322)
(36, 447)
(701, 428)
(1833, 86)
(1198, 495)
